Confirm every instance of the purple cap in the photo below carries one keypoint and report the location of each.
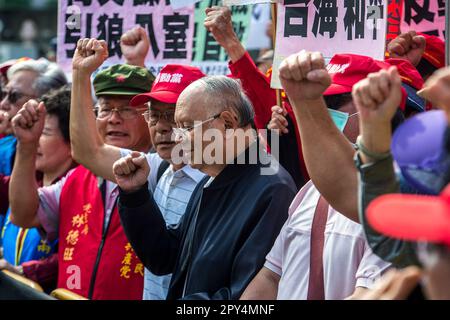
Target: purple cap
(418, 148)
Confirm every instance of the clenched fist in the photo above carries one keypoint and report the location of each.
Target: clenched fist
(218, 22)
(89, 55)
(409, 46)
(135, 45)
(131, 172)
(437, 90)
(29, 121)
(378, 96)
(303, 76)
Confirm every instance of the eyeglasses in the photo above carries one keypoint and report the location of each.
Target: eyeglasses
(14, 96)
(182, 133)
(125, 113)
(152, 117)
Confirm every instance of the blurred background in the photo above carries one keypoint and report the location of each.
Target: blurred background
(28, 28)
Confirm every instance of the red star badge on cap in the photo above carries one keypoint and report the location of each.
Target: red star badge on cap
(120, 79)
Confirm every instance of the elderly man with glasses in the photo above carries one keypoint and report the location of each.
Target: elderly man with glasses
(234, 215)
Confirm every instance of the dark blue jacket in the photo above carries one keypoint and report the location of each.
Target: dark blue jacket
(222, 240)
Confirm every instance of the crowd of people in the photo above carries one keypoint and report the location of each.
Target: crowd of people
(186, 186)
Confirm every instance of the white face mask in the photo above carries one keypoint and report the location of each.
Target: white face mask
(340, 118)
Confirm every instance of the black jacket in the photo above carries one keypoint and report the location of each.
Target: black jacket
(221, 241)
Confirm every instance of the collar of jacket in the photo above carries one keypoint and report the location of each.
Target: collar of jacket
(240, 166)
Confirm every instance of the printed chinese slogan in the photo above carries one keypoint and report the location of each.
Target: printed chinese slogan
(171, 32)
(329, 26)
(426, 16)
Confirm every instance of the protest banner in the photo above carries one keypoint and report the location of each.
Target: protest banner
(207, 53)
(244, 2)
(426, 16)
(394, 18)
(260, 18)
(178, 4)
(171, 32)
(330, 26)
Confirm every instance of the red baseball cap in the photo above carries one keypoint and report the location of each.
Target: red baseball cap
(412, 81)
(412, 217)
(169, 83)
(434, 50)
(348, 69)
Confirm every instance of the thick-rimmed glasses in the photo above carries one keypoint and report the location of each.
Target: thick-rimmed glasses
(125, 113)
(183, 133)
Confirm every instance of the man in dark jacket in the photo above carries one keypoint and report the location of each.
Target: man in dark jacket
(233, 216)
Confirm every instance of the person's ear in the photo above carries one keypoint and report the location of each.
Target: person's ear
(230, 120)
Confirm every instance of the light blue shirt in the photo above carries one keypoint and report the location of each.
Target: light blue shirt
(172, 193)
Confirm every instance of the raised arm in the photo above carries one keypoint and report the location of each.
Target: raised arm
(27, 124)
(377, 98)
(256, 85)
(327, 152)
(88, 148)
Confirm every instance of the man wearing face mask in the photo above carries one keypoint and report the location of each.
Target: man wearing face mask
(324, 150)
(320, 254)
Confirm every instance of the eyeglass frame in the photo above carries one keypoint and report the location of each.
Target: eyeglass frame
(183, 132)
(115, 109)
(147, 114)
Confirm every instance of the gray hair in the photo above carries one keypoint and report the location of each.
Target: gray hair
(228, 92)
(50, 76)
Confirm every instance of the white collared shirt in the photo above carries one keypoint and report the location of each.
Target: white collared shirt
(348, 261)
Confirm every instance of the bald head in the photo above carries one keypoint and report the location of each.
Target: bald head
(212, 95)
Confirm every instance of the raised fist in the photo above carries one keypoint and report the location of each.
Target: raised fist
(378, 96)
(29, 121)
(89, 55)
(408, 46)
(131, 172)
(135, 45)
(303, 76)
(437, 90)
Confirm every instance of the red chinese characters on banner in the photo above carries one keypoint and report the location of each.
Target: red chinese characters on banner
(395, 10)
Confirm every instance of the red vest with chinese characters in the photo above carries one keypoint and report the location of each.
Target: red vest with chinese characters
(91, 263)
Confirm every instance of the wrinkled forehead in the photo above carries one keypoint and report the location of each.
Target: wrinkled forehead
(22, 79)
(191, 104)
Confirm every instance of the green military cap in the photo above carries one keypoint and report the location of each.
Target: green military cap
(123, 79)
